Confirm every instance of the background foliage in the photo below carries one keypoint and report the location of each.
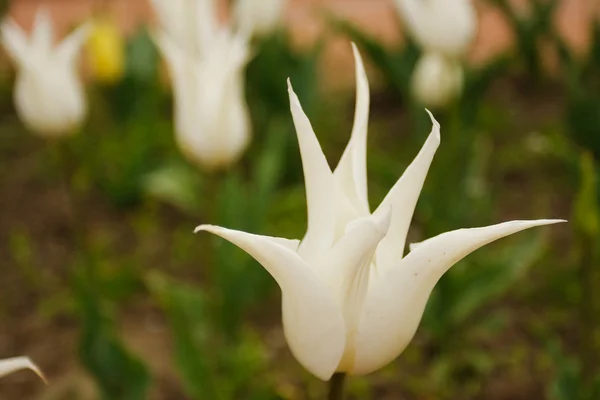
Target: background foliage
(152, 311)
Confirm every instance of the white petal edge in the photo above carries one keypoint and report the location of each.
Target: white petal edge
(15, 42)
(11, 365)
(69, 49)
(403, 198)
(42, 36)
(319, 183)
(312, 320)
(396, 301)
(351, 172)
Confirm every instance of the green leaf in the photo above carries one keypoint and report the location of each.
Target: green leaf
(119, 374)
(586, 214)
(177, 184)
(186, 309)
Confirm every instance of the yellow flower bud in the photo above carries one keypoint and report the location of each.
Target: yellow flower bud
(106, 51)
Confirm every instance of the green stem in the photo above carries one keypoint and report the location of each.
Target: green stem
(587, 314)
(336, 386)
(65, 161)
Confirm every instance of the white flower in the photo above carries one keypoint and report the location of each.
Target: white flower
(211, 117)
(49, 95)
(444, 29)
(351, 300)
(436, 80)
(10, 365)
(444, 26)
(206, 63)
(258, 17)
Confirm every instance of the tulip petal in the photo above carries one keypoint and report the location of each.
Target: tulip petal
(42, 36)
(346, 270)
(351, 172)
(313, 324)
(15, 42)
(403, 199)
(396, 300)
(319, 183)
(68, 50)
(10, 365)
(183, 75)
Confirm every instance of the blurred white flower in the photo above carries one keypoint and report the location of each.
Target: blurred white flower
(436, 80)
(206, 63)
(49, 96)
(351, 300)
(258, 17)
(444, 29)
(10, 365)
(211, 117)
(444, 26)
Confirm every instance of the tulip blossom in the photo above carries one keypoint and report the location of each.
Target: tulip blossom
(441, 26)
(351, 299)
(10, 365)
(258, 17)
(49, 96)
(444, 29)
(212, 123)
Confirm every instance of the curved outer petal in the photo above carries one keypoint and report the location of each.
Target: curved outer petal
(182, 73)
(312, 321)
(396, 301)
(10, 365)
(346, 270)
(403, 198)
(351, 172)
(319, 183)
(69, 48)
(15, 42)
(443, 26)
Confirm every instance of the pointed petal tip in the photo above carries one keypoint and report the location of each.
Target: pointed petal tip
(15, 364)
(294, 100)
(354, 49)
(204, 227)
(27, 363)
(436, 125)
(541, 222)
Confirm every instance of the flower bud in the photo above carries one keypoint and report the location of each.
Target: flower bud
(436, 80)
(106, 51)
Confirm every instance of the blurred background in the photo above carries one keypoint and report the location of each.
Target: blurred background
(104, 285)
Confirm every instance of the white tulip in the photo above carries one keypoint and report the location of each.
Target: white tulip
(351, 301)
(258, 17)
(10, 365)
(211, 116)
(444, 26)
(436, 80)
(49, 95)
(191, 24)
